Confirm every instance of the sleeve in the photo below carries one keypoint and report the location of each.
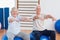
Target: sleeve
(19, 17)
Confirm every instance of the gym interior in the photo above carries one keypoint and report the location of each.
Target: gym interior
(27, 8)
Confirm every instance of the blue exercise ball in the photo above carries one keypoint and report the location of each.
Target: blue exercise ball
(4, 37)
(18, 38)
(44, 37)
(57, 26)
(32, 37)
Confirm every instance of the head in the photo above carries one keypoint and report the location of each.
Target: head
(38, 10)
(14, 12)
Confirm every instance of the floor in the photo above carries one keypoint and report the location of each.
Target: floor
(2, 33)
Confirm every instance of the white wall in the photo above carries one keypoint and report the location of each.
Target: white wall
(7, 3)
(51, 7)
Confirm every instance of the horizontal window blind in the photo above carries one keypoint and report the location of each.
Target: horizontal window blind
(27, 8)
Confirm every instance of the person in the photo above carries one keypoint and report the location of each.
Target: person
(40, 27)
(14, 28)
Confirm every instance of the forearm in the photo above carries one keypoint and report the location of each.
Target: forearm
(29, 19)
(49, 16)
(24, 19)
(53, 19)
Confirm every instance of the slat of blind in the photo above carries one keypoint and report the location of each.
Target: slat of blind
(26, 25)
(26, 22)
(27, 12)
(27, 1)
(26, 16)
(27, 9)
(26, 6)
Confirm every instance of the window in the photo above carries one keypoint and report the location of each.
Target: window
(27, 8)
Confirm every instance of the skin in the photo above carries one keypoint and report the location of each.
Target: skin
(49, 16)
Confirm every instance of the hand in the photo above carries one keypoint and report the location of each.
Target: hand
(36, 17)
(11, 20)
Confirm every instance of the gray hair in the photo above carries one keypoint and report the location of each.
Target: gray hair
(14, 9)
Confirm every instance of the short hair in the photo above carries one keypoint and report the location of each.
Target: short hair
(13, 9)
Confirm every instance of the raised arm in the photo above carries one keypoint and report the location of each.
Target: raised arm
(49, 16)
(25, 19)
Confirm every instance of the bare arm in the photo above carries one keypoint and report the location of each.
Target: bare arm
(49, 16)
(25, 19)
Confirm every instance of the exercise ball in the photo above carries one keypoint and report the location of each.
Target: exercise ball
(18, 38)
(57, 26)
(32, 37)
(4, 37)
(44, 37)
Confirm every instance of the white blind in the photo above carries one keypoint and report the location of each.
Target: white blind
(27, 8)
